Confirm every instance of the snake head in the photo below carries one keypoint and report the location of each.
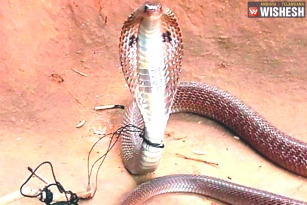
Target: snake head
(151, 10)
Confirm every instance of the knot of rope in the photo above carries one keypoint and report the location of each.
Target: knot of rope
(156, 145)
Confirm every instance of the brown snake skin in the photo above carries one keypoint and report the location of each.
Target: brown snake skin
(220, 105)
(213, 102)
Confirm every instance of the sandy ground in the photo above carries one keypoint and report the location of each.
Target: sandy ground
(262, 61)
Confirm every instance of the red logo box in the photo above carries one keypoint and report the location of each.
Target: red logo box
(253, 11)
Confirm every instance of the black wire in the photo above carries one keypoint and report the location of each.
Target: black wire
(32, 174)
(112, 143)
(48, 198)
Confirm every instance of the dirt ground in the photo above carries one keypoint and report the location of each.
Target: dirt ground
(262, 61)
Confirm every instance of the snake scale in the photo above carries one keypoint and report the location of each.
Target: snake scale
(151, 50)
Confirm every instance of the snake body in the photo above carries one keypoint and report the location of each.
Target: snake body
(150, 53)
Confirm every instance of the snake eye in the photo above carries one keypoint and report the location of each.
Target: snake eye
(146, 7)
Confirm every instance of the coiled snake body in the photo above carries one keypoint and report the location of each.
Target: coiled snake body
(150, 54)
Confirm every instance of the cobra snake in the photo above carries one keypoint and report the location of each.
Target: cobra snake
(151, 50)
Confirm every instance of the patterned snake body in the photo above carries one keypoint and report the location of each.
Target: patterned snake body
(150, 55)
(151, 70)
